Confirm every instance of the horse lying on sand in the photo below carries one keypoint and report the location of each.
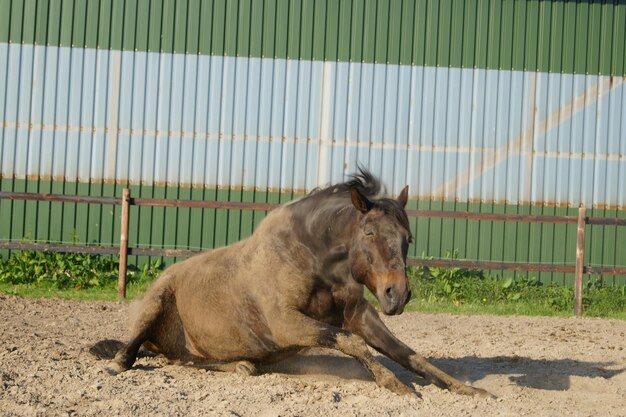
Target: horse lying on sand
(297, 282)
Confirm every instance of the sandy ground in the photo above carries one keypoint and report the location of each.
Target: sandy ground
(535, 366)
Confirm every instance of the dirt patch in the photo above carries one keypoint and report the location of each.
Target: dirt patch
(535, 366)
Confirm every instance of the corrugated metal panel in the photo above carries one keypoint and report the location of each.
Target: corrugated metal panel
(453, 134)
(556, 36)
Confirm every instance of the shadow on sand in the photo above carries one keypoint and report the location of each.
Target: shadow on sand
(545, 374)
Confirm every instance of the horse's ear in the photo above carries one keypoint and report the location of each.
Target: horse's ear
(404, 196)
(360, 201)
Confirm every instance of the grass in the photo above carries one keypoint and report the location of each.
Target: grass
(462, 291)
(435, 290)
(108, 293)
(498, 309)
(502, 309)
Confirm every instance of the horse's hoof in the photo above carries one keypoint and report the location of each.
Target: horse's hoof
(473, 391)
(402, 389)
(484, 394)
(245, 368)
(114, 368)
(393, 384)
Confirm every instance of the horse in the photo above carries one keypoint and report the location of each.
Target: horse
(297, 282)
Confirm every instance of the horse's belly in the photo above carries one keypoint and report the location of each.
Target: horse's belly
(230, 333)
(232, 344)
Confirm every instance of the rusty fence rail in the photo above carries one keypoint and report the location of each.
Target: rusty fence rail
(578, 269)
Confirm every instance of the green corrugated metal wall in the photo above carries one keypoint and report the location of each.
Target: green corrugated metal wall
(583, 37)
(556, 36)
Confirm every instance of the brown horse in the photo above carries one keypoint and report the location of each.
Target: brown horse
(297, 282)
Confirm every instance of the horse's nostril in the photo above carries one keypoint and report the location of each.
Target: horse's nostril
(389, 293)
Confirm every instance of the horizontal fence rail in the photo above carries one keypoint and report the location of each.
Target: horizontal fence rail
(230, 205)
(515, 266)
(124, 251)
(58, 247)
(59, 198)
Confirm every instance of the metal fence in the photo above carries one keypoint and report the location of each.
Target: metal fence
(578, 269)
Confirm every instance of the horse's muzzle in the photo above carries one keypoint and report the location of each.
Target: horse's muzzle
(394, 297)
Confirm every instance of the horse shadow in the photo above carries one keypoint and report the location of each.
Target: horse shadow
(543, 374)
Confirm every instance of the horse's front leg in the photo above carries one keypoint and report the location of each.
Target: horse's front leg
(303, 331)
(366, 323)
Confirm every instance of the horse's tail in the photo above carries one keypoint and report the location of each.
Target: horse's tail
(106, 349)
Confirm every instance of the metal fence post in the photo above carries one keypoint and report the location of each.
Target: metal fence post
(580, 257)
(121, 283)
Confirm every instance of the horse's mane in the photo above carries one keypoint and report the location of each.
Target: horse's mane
(364, 181)
(367, 184)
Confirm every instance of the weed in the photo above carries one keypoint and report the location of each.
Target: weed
(69, 270)
(476, 290)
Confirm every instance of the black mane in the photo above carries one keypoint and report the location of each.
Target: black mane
(336, 198)
(364, 181)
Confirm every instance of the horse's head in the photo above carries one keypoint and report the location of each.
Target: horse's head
(379, 248)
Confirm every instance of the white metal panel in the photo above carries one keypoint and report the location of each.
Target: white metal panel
(270, 124)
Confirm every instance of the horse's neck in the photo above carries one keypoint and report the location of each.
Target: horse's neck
(330, 230)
